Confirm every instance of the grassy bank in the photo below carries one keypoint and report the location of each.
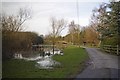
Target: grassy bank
(72, 62)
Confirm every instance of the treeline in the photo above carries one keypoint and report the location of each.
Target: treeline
(86, 36)
(80, 35)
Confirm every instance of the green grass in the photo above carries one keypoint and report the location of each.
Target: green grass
(72, 62)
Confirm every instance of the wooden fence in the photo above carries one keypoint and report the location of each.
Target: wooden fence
(111, 49)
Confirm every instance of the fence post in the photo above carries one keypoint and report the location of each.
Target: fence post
(110, 49)
(117, 50)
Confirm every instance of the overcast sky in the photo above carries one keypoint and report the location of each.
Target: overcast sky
(42, 10)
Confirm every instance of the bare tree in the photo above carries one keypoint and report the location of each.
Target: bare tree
(74, 29)
(15, 23)
(57, 27)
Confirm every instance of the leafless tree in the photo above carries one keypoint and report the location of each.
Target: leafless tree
(57, 27)
(15, 23)
(73, 30)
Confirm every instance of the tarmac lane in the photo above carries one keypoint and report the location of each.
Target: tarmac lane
(101, 65)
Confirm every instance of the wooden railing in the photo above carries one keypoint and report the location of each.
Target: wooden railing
(111, 49)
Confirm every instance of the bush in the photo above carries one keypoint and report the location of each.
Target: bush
(110, 41)
(17, 41)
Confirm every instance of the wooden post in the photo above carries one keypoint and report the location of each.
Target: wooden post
(117, 50)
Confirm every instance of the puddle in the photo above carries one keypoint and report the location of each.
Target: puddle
(45, 62)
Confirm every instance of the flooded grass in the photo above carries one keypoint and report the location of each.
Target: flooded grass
(71, 62)
(47, 63)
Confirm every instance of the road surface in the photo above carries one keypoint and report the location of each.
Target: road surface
(101, 65)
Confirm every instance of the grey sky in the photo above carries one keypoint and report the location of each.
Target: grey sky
(43, 10)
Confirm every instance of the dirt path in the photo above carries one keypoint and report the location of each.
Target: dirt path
(101, 65)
